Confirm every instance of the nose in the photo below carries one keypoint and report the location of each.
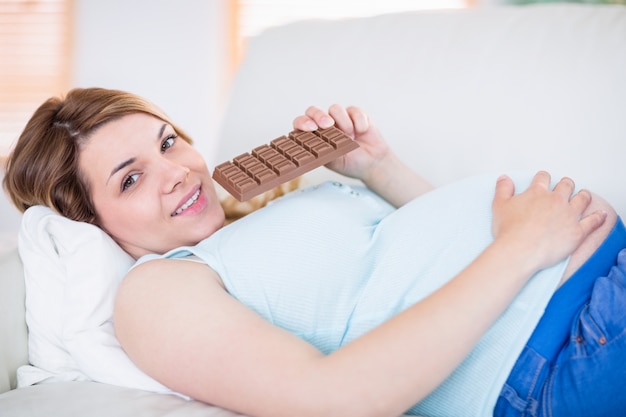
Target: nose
(173, 174)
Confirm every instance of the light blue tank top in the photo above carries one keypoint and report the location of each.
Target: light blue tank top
(330, 262)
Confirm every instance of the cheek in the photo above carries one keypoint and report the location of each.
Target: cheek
(199, 164)
(192, 157)
(121, 219)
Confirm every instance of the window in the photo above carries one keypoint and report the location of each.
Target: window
(35, 56)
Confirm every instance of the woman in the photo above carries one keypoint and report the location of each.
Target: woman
(109, 158)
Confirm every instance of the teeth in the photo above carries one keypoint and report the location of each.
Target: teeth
(188, 203)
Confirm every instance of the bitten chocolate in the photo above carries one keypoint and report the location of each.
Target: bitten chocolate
(283, 159)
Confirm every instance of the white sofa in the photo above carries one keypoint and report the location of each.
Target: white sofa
(456, 93)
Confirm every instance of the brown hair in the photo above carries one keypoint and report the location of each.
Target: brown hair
(42, 169)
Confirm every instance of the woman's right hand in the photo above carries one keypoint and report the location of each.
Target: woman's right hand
(547, 224)
(372, 151)
(373, 162)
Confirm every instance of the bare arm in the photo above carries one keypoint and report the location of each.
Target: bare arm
(180, 326)
(394, 181)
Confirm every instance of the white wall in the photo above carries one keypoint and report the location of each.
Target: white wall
(171, 52)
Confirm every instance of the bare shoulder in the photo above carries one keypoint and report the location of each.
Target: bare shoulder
(157, 299)
(152, 280)
(159, 274)
(161, 283)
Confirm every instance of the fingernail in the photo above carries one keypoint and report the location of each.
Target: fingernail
(327, 121)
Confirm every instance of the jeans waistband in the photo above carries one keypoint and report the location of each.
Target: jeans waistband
(553, 329)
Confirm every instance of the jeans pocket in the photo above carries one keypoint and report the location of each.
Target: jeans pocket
(519, 394)
(589, 385)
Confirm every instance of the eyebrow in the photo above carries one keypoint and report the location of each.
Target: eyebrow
(129, 161)
(120, 167)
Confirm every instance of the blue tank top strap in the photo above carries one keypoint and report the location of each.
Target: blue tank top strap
(553, 329)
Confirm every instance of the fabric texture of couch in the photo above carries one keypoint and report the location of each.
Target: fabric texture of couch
(455, 92)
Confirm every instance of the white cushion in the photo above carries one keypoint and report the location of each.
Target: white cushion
(72, 271)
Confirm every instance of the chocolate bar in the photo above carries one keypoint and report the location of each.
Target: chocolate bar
(283, 159)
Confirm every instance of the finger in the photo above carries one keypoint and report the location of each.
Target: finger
(541, 179)
(342, 119)
(504, 190)
(320, 117)
(581, 200)
(304, 123)
(565, 187)
(593, 221)
(359, 119)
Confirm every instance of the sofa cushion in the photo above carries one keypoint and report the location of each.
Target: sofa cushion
(13, 332)
(92, 399)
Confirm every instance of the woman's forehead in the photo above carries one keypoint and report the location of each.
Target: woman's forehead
(118, 143)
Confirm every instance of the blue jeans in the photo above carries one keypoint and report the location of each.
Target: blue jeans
(574, 364)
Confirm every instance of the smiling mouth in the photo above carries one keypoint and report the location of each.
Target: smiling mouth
(187, 204)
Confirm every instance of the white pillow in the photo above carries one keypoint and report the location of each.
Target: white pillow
(72, 271)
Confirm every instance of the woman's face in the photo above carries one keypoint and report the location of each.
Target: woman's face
(152, 190)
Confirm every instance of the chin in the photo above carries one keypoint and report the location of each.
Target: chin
(198, 236)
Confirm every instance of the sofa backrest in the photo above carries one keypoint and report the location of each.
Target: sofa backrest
(457, 92)
(13, 332)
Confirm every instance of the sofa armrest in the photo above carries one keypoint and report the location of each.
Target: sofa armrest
(13, 330)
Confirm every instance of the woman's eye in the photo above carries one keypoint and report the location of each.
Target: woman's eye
(129, 181)
(168, 142)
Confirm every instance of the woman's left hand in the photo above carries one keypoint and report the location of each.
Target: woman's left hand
(360, 162)
(545, 224)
